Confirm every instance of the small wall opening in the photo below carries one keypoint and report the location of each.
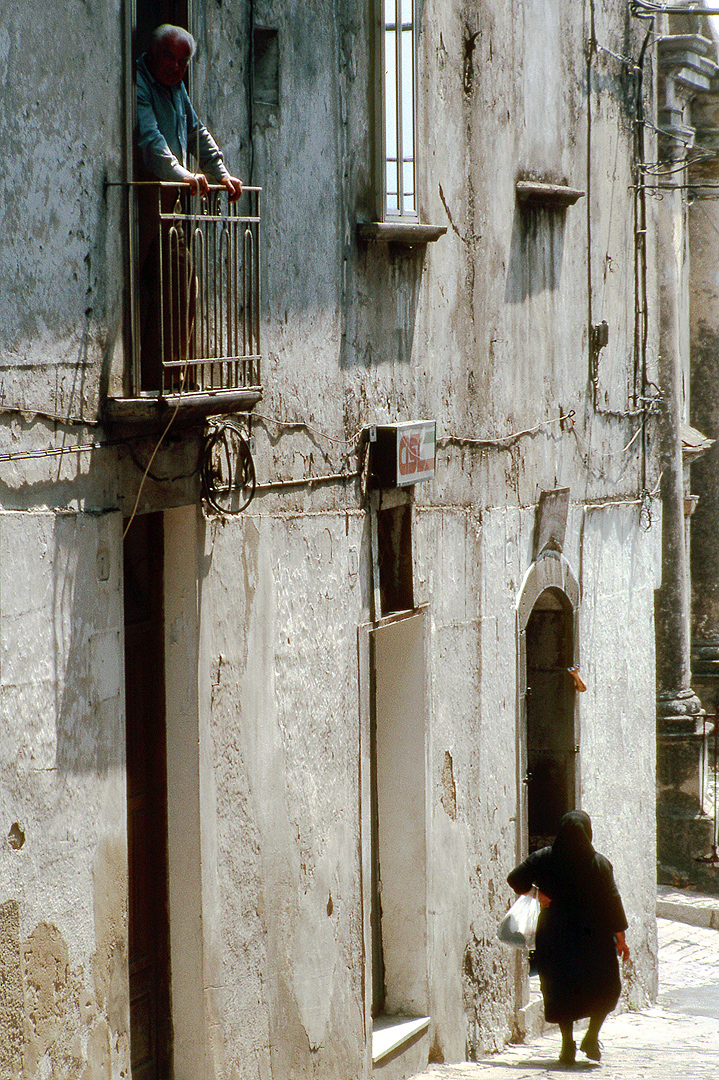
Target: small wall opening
(394, 536)
(265, 76)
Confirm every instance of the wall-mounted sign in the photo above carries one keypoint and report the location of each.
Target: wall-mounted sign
(402, 454)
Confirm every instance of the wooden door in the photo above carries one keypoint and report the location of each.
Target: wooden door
(150, 1027)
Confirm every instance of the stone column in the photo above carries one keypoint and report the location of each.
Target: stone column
(704, 328)
(685, 68)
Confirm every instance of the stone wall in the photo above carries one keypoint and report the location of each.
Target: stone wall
(64, 859)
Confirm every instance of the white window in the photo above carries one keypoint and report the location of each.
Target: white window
(399, 128)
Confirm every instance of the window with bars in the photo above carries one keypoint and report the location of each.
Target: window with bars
(399, 113)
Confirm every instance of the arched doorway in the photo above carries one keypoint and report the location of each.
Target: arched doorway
(550, 741)
(548, 732)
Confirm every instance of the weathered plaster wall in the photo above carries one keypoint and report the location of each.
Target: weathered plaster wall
(528, 274)
(189, 855)
(485, 331)
(281, 606)
(63, 863)
(620, 570)
(61, 263)
(473, 781)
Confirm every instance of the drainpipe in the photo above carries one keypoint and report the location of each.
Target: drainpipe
(684, 68)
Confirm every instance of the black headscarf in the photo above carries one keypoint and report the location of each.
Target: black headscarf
(572, 854)
(573, 842)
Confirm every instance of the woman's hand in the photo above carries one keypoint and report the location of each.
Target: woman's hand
(544, 900)
(622, 947)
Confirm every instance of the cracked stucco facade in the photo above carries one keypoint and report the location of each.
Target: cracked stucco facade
(485, 331)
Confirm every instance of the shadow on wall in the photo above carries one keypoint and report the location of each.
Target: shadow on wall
(535, 256)
(390, 277)
(83, 612)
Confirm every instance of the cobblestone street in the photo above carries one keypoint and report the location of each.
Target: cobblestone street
(678, 1037)
(688, 969)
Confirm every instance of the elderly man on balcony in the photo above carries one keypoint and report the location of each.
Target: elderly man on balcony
(168, 129)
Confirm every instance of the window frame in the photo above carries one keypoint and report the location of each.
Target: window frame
(385, 212)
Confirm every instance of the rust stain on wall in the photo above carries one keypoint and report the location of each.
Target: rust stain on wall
(11, 995)
(109, 961)
(47, 988)
(449, 791)
(78, 1026)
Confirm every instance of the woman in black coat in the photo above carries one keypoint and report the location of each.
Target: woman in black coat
(580, 931)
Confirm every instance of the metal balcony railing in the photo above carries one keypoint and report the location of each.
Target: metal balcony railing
(195, 290)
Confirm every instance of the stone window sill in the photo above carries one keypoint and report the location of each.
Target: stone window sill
(410, 233)
(391, 1033)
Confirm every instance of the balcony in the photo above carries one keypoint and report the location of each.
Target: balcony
(194, 306)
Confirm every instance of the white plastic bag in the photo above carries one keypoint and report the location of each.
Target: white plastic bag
(519, 925)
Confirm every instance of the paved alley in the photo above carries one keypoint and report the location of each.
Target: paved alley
(678, 1037)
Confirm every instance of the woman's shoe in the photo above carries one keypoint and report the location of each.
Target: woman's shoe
(590, 1047)
(568, 1053)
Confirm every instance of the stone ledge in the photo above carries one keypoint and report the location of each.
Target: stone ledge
(530, 1020)
(553, 196)
(389, 1033)
(409, 233)
(145, 415)
(707, 917)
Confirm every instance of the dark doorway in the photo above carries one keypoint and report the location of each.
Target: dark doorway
(149, 952)
(550, 716)
(152, 13)
(146, 252)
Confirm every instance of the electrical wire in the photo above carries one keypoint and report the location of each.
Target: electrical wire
(649, 9)
(314, 431)
(506, 440)
(614, 453)
(631, 500)
(641, 301)
(310, 481)
(35, 411)
(156, 477)
(593, 350)
(153, 455)
(628, 61)
(688, 142)
(227, 470)
(54, 451)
